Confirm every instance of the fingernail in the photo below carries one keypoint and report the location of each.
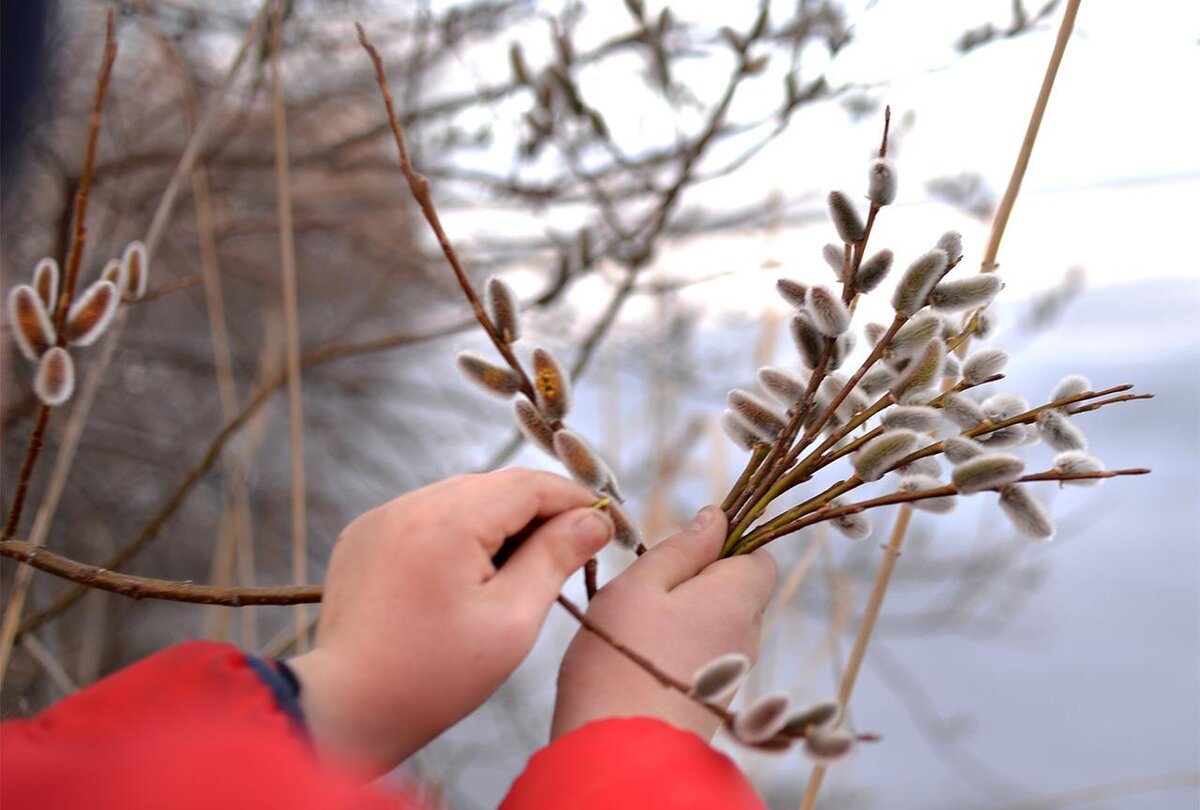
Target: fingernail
(702, 519)
(593, 529)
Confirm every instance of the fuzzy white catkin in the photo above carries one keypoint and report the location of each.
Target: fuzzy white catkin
(581, 460)
(494, 379)
(913, 336)
(55, 379)
(835, 257)
(45, 281)
(91, 313)
(882, 182)
(505, 310)
(829, 314)
(874, 332)
(1011, 436)
(808, 340)
(762, 719)
(876, 380)
(136, 269)
(784, 385)
(533, 424)
(736, 430)
(920, 418)
(999, 407)
(924, 371)
(983, 364)
(793, 292)
(756, 415)
(855, 526)
(951, 242)
(808, 718)
(1070, 386)
(845, 217)
(988, 470)
(827, 746)
(720, 677)
(853, 402)
(985, 324)
(925, 465)
(881, 453)
(1026, 513)
(1059, 432)
(920, 483)
(873, 271)
(842, 347)
(961, 448)
(952, 368)
(31, 327)
(625, 531)
(917, 281)
(967, 293)
(1078, 461)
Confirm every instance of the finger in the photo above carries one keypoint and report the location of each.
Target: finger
(492, 506)
(750, 576)
(529, 582)
(684, 554)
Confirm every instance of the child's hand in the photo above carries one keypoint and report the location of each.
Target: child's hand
(417, 626)
(679, 608)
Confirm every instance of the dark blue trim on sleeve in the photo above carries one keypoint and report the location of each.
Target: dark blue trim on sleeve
(285, 687)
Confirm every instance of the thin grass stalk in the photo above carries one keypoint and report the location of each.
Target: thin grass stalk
(900, 527)
(291, 308)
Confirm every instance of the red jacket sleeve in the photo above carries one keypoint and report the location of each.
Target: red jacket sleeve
(191, 727)
(634, 763)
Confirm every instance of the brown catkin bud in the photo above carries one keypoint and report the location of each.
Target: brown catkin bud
(828, 313)
(114, 273)
(913, 336)
(626, 533)
(835, 257)
(503, 308)
(924, 371)
(873, 271)
(920, 483)
(1026, 513)
(762, 719)
(881, 182)
(914, 286)
(955, 296)
(551, 385)
(736, 430)
(137, 270)
(45, 282)
(91, 313)
(881, 453)
(783, 385)
(1070, 386)
(1078, 461)
(755, 415)
(876, 380)
(920, 418)
(983, 364)
(806, 719)
(961, 448)
(986, 471)
(55, 380)
(793, 292)
(1058, 431)
(720, 677)
(951, 242)
(535, 426)
(845, 218)
(31, 327)
(808, 340)
(962, 410)
(491, 378)
(827, 746)
(581, 460)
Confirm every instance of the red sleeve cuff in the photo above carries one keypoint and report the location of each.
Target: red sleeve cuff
(631, 763)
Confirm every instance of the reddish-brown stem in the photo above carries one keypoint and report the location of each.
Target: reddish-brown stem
(74, 257)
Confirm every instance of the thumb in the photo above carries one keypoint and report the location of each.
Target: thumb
(537, 570)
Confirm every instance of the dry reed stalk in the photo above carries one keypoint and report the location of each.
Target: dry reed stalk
(903, 518)
(291, 306)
